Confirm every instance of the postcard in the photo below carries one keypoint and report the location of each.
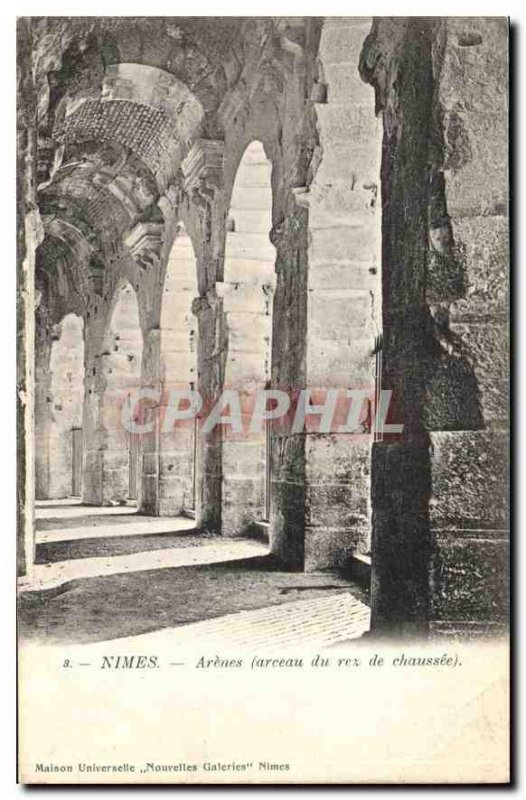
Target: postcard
(263, 400)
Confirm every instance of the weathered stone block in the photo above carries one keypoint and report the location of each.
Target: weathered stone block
(246, 299)
(115, 485)
(474, 67)
(344, 82)
(242, 505)
(351, 203)
(115, 459)
(477, 176)
(352, 124)
(328, 549)
(250, 245)
(244, 458)
(470, 579)
(348, 163)
(337, 459)
(249, 269)
(342, 40)
(149, 495)
(335, 315)
(287, 536)
(469, 479)
(344, 506)
(250, 220)
(344, 243)
(175, 464)
(345, 364)
(482, 244)
(345, 275)
(247, 332)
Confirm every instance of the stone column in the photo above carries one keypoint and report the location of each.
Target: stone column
(178, 372)
(151, 364)
(203, 176)
(58, 404)
(440, 494)
(121, 361)
(247, 309)
(397, 60)
(289, 336)
(112, 369)
(92, 432)
(468, 289)
(247, 294)
(43, 401)
(343, 314)
(210, 380)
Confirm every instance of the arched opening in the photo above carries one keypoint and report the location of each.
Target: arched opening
(249, 281)
(178, 489)
(121, 375)
(58, 407)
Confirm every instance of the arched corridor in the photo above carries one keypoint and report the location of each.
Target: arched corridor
(214, 209)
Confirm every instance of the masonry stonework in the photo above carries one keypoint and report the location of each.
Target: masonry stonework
(285, 203)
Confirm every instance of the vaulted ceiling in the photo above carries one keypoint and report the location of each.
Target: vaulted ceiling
(120, 103)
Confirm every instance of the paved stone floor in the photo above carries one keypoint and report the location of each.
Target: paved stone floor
(314, 623)
(104, 574)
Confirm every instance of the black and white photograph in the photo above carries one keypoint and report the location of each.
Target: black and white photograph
(263, 398)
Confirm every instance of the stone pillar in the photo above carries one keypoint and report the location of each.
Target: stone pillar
(92, 433)
(287, 514)
(203, 176)
(121, 364)
(210, 380)
(247, 295)
(440, 493)
(289, 335)
(43, 402)
(178, 371)
(247, 311)
(397, 60)
(151, 365)
(112, 369)
(58, 404)
(343, 291)
(468, 288)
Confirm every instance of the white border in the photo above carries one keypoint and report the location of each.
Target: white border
(515, 10)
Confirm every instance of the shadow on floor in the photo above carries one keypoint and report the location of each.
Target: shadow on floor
(95, 520)
(52, 552)
(116, 606)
